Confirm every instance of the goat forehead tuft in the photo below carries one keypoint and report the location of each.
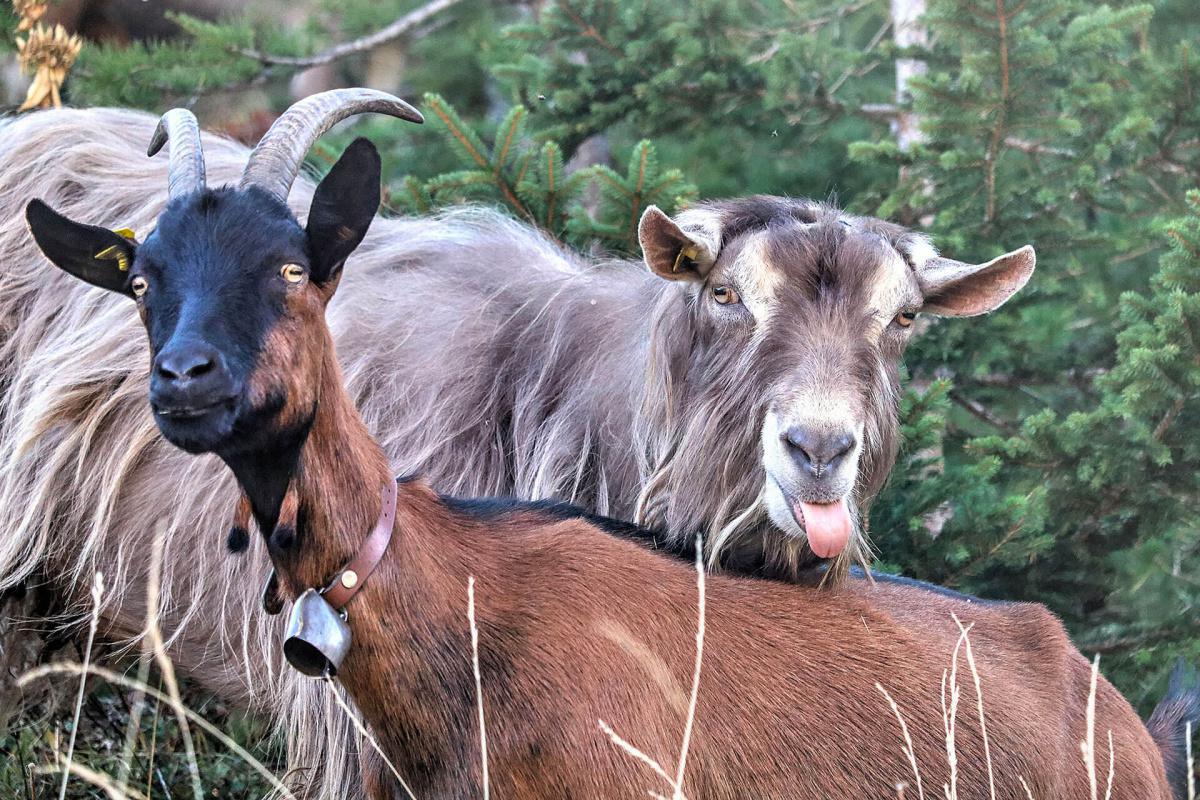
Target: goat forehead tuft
(209, 201)
(826, 259)
(224, 226)
(813, 248)
(748, 214)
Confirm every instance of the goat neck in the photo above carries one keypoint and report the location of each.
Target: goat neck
(317, 490)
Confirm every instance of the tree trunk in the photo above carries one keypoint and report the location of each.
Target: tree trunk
(908, 31)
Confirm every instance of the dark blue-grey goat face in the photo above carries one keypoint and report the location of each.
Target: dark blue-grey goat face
(232, 291)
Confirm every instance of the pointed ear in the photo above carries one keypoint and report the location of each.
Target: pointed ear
(955, 289)
(91, 253)
(679, 251)
(342, 209)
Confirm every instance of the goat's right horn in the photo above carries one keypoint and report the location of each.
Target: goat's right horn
(185, 171)
(276, 159)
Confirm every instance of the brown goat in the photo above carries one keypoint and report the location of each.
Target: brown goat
(576, 625)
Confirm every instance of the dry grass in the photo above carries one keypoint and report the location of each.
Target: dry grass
(950, 699)
(97, 594)
(116, 678)
(701, 614)
(908, 745)
(483, 751)
(159, 648)
(1191, 765)
(676, 783)
(103, 782)
(987, 748)
(368, 737)
(1088, 745)
(118, 786)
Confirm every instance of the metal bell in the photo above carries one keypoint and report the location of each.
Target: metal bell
(317, 637)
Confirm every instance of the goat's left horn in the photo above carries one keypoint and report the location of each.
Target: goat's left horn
(276, 160)
(185, 171)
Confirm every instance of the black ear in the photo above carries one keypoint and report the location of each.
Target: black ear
(342, 209)
(91, 253)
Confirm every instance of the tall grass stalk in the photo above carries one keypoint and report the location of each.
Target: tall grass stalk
(366, 734)
(98, 779)
(701, 613)
(950, 716)
(633, 751)
(153, 743)
(483, 749)
(134, 726)
(165, 667)
(1088, 745)
(987, 750)
(97, 594)
(676, 783)
(1191, 765)
(908, 744)
(1112, 767)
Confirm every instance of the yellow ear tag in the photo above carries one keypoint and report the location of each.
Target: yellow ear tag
(689, 253)
(115, 253)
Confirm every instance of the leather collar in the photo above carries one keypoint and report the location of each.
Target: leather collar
(350, 578)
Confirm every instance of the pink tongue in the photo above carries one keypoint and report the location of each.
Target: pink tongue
(828, 526)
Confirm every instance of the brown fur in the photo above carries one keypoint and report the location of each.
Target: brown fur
(786, 709)
(577, 626)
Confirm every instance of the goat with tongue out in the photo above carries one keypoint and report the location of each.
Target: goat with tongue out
(828, 526)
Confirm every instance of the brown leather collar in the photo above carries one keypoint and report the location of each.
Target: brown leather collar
(352, 576)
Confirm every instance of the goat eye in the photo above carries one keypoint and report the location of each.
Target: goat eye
(905, 318)
(725, 295)
(138, 286)
(292, 273)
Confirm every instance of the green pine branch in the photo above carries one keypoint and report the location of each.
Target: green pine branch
(532, 183)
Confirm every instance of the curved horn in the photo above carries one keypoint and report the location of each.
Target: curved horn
(185, 172)
(276, 159)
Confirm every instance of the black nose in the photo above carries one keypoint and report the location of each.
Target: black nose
(189, 375)
(184, 363)
(818, 451)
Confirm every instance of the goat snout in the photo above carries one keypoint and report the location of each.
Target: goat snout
(186, 363)
(189, 378)
(818, 451)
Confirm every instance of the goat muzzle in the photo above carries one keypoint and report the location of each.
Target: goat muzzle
(317, 638)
